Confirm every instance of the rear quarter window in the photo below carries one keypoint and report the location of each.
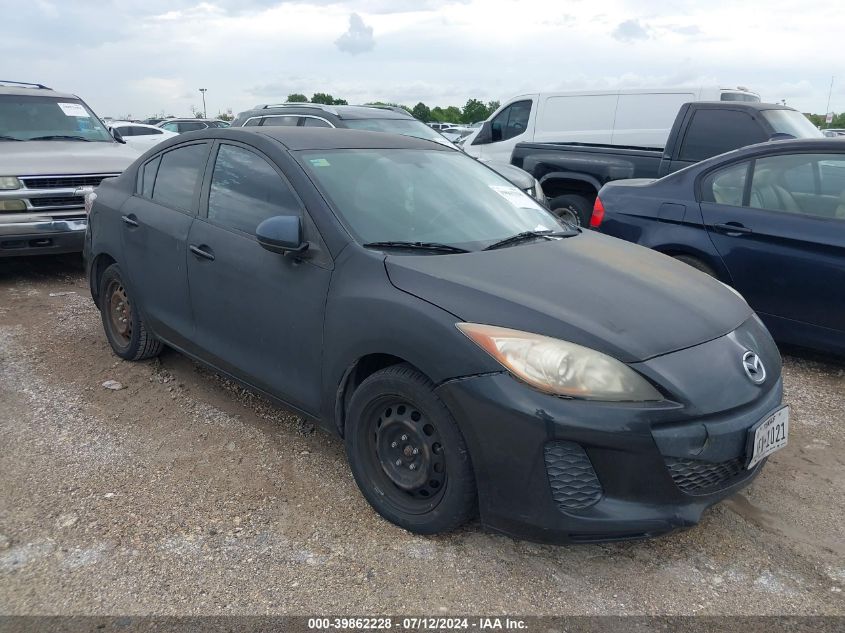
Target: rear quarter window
(712, 132)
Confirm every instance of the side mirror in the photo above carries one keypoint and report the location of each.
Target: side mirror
(485, 134)
(282, 234)
(116, 135)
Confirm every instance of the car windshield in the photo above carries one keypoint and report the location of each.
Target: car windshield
(25, 117)
(791, 122)
(406, 127)
(435, 196)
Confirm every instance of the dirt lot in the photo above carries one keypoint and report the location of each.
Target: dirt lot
(181, 493)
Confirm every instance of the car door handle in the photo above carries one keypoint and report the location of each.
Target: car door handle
(732, 228)
(129, 220)
(201, 252)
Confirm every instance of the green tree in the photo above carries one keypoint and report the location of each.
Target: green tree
(422, 112)
(297, 98)
(492, 106)
(474, 110)
(322, 97)
(340, 102)
(224, 116)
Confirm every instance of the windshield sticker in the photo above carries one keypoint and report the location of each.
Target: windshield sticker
(319, 162)
(73, 109)
(515, 197)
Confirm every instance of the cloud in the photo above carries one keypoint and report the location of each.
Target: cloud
(631, 30)
(691, 29)
(358, 38)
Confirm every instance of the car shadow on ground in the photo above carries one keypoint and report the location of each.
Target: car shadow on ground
(41, 268)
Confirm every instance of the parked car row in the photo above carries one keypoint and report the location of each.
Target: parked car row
(477, 352)
(388, 119)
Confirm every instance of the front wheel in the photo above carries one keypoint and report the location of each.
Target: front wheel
(125, 328)
(574, 209)
(407, 453)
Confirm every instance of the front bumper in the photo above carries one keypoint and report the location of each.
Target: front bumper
(42, 237)
(527, 447)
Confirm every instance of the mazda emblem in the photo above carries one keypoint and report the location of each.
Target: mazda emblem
(753, 367)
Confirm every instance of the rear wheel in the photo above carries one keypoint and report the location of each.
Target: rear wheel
(125, 328)
(407, 454)
(696, 263)
(572, 208)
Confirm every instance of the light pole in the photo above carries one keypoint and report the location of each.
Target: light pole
(204, 113)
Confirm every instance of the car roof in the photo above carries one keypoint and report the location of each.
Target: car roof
(340, 111)
(34, 91)
(744, 105)
(301, 138)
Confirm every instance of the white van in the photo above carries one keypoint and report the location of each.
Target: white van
(641, 118)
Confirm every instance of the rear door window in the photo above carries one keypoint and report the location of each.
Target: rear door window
(310, 121)
(713, 132)
(805, 184)
(179, 176)
(273, 121)
(190, 126)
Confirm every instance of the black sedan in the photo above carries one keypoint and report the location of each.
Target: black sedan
(769, 220)
(476, 355)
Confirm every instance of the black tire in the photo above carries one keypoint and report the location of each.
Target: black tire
(391, 414)
(125, 328)
(572, 207)
(696, 263)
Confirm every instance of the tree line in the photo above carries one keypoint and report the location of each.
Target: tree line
(474, 110)
(819, 120)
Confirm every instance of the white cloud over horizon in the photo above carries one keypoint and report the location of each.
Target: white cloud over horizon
(142, 58)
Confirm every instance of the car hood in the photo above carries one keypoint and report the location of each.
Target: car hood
(514, 174)
(619, 298)
(54, 158)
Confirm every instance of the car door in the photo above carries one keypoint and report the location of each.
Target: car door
(156, 221)
(780, 230)
(259, 315)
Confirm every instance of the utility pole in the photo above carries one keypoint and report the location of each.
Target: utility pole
(204, 112)
(829, 92)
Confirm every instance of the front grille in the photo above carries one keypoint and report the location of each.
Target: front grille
(58, 201)
(63, 182)
(571, 476)
(696, 477)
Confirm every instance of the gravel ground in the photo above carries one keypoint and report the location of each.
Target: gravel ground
(183, 494)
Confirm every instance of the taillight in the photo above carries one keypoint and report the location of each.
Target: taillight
(598, 213)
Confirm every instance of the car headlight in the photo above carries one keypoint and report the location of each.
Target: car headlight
(9, 182)
(559, 367)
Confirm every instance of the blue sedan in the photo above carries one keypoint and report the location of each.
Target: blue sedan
(768, 220)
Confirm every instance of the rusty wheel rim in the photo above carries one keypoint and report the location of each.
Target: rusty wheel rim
(120, 314)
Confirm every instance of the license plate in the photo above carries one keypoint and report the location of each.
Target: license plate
(769, 436)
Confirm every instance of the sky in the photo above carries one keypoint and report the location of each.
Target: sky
(144, 58)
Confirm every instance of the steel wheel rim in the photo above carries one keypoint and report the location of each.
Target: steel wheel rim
(568, 215)
(120, 313)
(411, 472)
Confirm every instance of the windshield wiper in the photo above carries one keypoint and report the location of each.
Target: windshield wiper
(9, 138)
(529, 235)
(422, 246)
(58, 137)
